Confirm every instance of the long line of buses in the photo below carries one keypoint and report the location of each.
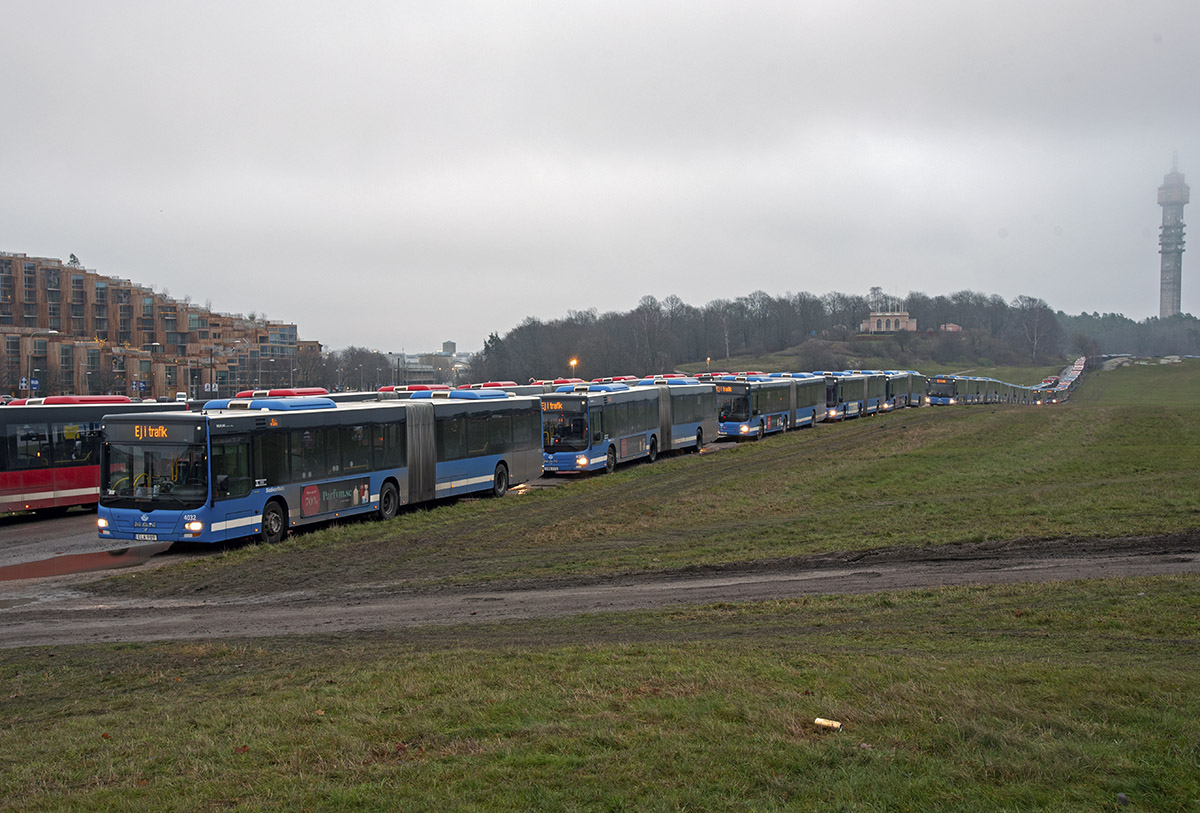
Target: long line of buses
(265, 462)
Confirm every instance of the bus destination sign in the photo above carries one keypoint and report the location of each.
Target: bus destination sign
(152, 431)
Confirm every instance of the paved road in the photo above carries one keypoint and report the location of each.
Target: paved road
(30, 537)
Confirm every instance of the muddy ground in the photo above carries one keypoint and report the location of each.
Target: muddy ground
(60, 610)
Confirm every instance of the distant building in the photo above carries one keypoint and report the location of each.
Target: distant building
(1172, 196)
(68, 329)
(888, 322)
(950, 327)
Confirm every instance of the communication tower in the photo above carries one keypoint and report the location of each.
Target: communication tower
(1172, 196)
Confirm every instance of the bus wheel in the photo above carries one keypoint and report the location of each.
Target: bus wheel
(653, 453)
(389, 501)
(274, 524)
(762, 430)
(610, 462)
(699, 439)
(500, 481)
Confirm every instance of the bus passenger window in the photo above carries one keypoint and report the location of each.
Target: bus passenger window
(28, 446)
(231, 469)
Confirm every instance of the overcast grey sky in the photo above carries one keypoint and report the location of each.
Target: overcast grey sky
(394, 174)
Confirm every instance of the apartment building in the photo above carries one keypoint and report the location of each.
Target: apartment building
(68, 329)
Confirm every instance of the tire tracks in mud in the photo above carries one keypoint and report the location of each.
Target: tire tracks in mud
(58, 612)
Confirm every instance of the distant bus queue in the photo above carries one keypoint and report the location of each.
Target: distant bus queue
(268, 461)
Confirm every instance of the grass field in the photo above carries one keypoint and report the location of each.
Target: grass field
(1050, 697)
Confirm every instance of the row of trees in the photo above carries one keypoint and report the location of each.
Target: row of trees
(1115, 333)
(354, 368)
(658, 335)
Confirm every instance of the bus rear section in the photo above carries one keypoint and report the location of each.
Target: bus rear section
(485, 440)
(592, 427)
(687, 412)
(264, 466)
(807, 398)
(916, 384)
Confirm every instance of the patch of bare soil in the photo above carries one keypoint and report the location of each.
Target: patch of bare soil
(54, 611)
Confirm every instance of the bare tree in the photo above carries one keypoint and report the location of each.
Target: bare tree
(1036, 326)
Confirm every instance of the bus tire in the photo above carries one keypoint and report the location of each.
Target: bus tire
(652, 454)
(762, 431)
(500, 481)
(610, 462)
(274, 523)
(389, 501)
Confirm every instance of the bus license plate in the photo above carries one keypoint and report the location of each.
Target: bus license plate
(146, 537)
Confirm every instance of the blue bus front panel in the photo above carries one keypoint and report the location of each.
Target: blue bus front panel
(775, 422)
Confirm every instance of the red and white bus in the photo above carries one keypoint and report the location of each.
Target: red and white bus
(50, 452)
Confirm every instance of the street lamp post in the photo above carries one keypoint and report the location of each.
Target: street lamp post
(153, 345)
(573, 363)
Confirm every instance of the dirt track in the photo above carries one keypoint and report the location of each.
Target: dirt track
(56, 611)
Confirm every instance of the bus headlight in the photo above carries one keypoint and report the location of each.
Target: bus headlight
(581, 462)
(194, 526)
(744, 429)
(101, 523)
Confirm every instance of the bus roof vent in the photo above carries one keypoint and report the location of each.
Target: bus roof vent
(462, 395)
(670, 381)
(271, 404)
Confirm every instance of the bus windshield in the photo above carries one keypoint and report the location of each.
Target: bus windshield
(147, 476)
(564, 426)
(732, 406)
(941, 387)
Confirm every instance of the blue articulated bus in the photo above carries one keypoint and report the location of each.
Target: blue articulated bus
(588, 427)
(687, 412)
(942, 390)
(847, 395)
(904, 388)
(262, 466)
(875, 392)
(753, 406)
(899, 387)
